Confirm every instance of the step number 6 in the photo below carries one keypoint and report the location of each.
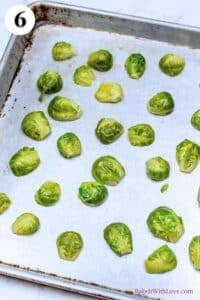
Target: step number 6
(19, 19)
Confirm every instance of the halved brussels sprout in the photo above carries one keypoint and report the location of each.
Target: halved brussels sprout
(195, 120)
(48, 194)
(161, 260)
(26, 224)
(69, 245)
(84, 76)
(161, 104)
(24, 161)
(157, 168)
(92, 193)
(119, 238)
(187, 156)
(135, 65)
(69, 145)
(64, 109)
(62, 51)
(49, 82)
(194, 252)
(172, 64)
(109, 92)
(164, 188)
(5, 202)
(36, 126)
(101, 60)
(108, 130)
(141, 135)
(108, 170)
(164, 223)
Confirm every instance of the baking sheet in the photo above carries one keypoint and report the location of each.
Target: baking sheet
(135, 197)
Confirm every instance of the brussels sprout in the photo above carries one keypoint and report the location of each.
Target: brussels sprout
(48, 194)
(157, 168)
(109, 92)
(108, 130)
(164, 188)
(135, 65)
(64, 109)
(195, 120)
(62, 51)
(84, 76)
(69, 145)
(161, 104)
(24, 161)
(118, 236)
(161, 260)
(36, 126)
(26, 224)
(108, 170)
(69, 245)
(171, 64)
(49, 82)
(92, 193)
(194, 252)
(187, 156)
(101, 60)
(164, 223)
(5, 202)
(141, 135)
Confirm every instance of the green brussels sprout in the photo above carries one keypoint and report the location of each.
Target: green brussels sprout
(164, 188)
(109, 92)
(141, 135)
(101, 60)
(69, 245)
(135, 65)
(84, 76)
(26, 224)
(195, 120)
(108, 130)
(64, 109)
(119, 238)
(69, 145)
(161, 104)
(194, 251)
(36, 126)
(63, 51)
(164, 223)
(161, 260)
(157, 168)
(108, 170)
(48, 194)
(24, 161)
(171, 64)
(92, 193)
(187, 156)
(5, 202)
(49, 82)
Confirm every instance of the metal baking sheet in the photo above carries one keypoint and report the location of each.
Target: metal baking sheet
(98, 271)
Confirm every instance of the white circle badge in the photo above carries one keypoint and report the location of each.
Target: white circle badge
(20, 19)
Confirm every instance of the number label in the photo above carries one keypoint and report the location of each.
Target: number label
(20, 19)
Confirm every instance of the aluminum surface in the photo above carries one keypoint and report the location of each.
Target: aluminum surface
(133, 199)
